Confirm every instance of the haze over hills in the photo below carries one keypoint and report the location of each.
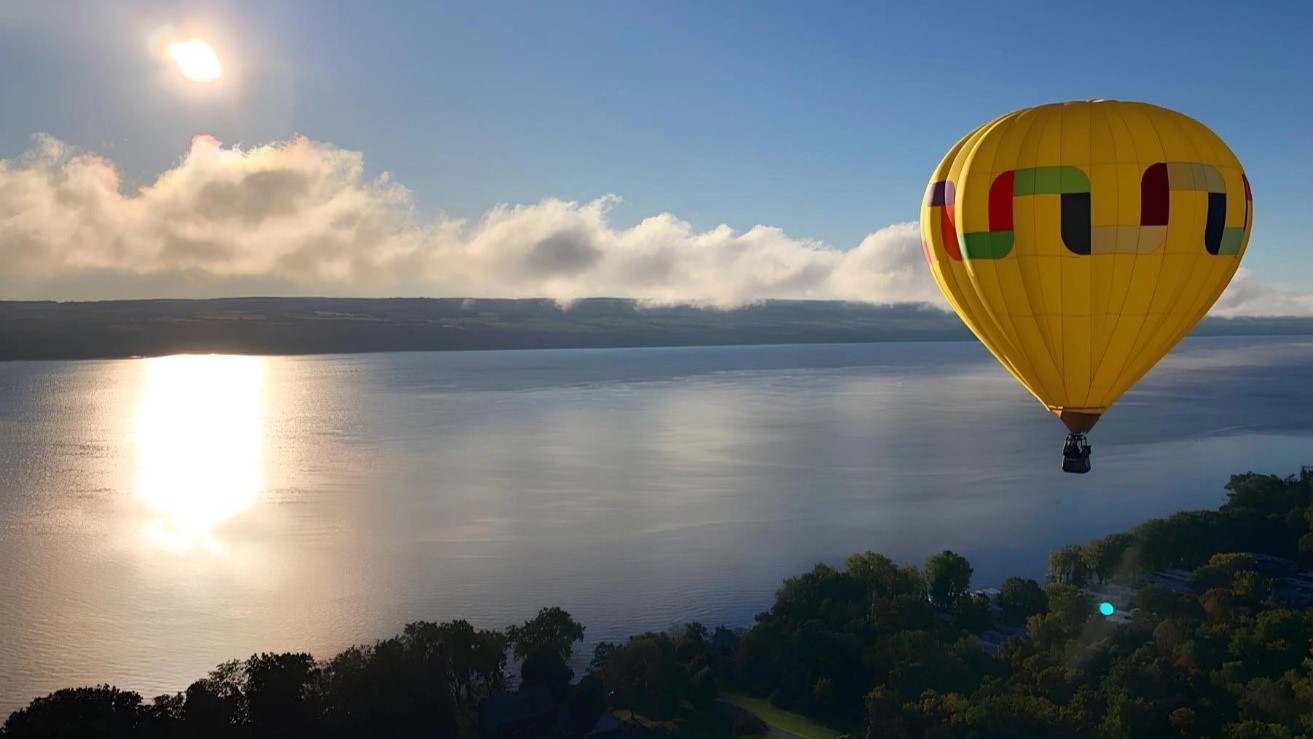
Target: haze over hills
(114, 329)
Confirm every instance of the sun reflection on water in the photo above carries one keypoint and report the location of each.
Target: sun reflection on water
(198, 434)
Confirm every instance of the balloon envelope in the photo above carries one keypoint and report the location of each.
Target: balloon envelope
(1081, 241)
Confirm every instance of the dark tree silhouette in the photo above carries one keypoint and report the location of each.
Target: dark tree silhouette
(96, 712)
(552, 631)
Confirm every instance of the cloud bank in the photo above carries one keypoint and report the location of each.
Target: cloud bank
(1247, 296)
(301, 218)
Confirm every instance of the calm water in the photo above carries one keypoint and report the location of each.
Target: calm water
(160, 516)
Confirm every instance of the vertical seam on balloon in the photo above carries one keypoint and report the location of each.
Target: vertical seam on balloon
(1089, 332)
(1041, 316)
(999, 333)
(963, 290)
(1167, 240)
(942, 275)
(1130, 280)
(1201, 305)
(1036, 315)
(1094, 261)
(1215, 265)
(1010, 330)
(1062, 270)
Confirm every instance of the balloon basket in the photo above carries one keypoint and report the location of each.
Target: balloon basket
(1076, 454)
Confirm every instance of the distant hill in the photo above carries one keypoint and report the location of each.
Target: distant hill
(125, 328)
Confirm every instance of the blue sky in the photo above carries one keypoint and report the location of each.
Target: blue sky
(822, 119)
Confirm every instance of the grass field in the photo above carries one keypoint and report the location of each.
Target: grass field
(781, 719)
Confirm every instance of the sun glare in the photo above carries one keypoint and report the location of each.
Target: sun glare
(199, 431)
(196, 60)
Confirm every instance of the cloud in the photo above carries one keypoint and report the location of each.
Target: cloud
(300, 217)
(1247, 296)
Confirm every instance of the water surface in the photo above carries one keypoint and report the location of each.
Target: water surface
(160, 516)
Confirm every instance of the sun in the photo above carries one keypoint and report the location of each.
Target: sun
(196, 60)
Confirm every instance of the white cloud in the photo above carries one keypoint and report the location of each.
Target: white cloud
(301, 218)
(1247, 296)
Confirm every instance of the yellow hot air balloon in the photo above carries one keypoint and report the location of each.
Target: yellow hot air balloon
(1081, 241)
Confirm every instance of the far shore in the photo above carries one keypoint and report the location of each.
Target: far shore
(123, 329)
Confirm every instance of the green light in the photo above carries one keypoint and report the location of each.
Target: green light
(1106, 608)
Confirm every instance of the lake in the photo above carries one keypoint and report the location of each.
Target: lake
(160, 516)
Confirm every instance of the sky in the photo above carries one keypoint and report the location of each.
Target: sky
(677, 151)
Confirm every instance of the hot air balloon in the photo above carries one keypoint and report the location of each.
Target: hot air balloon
(1081, 241)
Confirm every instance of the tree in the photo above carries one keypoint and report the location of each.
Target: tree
(1251, 587)
(973, 613)
(1067, 565)
(276, 690)
(552, 631)
(1183, 721)
(208, 711)
(1252, 729)
(879, 575)
(948, 576)
(1069, 609)
(691, 643)
(586, 705)
(386, 690)
(884, 714)
(644, 676)
(823, 594)
(702, 690)
(548, 670)
(1266, 493)
(601, 653)
(1305, 547)
(1020, 598)
(1221, 570)
(1108, 556)
(101, 711)
(473, 662)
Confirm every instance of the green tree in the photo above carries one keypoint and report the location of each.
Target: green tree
(1110, 555)
(1220, 570)
(879, 575)
(823, 593)
(644, 675)
(948, 576)
(1020, 598)
(1067, 565)
(1266, 493)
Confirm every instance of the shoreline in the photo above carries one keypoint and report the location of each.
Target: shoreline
(48, 331)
